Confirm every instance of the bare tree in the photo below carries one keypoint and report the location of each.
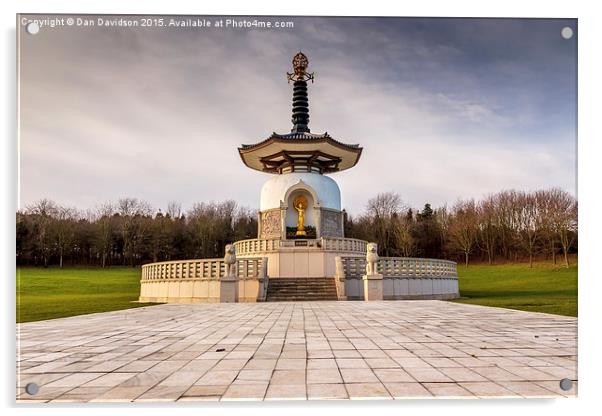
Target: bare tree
(545, 223)
(105, 224)
(64, 227)
(463, 228)
(486, 217)
(84, 244)
(141, 230)
(245, 223)
(174, 210)
(202, 227)
(126, 208)
(564, 215)
(506, 219)
(528, 215)
(134, 229)
(402, 231)
(382, 208)
(42, 213)
(212, 226)
(443, 218)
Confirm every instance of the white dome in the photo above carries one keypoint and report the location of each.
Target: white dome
(326, 189)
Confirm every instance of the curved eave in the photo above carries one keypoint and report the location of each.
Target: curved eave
(251, 155)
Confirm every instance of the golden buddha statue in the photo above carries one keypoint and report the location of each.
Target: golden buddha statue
(300, 204)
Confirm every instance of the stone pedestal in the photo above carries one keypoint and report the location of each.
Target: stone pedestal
(228, 290)
(263, 280)
(373, 287)
(339, 278)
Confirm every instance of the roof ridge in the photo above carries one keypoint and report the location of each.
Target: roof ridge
(299, 136)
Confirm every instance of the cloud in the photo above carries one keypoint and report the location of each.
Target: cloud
(159, 115)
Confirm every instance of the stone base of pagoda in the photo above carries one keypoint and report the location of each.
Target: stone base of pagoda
(301, 258)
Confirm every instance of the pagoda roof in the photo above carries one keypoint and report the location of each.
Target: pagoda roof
(299, 150)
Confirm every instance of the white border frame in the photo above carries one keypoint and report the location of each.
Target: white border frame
(590, 68)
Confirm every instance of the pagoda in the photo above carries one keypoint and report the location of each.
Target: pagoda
(301, 252)
(300, 201)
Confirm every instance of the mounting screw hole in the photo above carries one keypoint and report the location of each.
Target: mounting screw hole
(32, 389)
(32, 28)
(566, 384)
(566, 32)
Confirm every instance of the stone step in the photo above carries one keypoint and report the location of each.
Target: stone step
(309, 281)
(297, 283)
(300, 284)
(298, 296)
(306, 294)
(301, 289)
(296, 289)
(293, 285)
(312, 290)
(291, 299)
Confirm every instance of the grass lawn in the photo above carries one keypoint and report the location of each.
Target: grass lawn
(544, 288)
(56, 293)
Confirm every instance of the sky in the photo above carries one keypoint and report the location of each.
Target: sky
(445, 109)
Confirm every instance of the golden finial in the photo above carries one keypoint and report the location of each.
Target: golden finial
(300, 63)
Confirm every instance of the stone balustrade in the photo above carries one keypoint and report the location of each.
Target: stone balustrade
(190, 281)
(417, 267)
(354, 267)
(199, 269)
(404, 277)
(256, 245)
(343, 244)
(336, 244)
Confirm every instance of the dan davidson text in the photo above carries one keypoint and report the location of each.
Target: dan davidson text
(183, 22)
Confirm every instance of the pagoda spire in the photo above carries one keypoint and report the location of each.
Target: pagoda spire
(300, 151)
(300, 76)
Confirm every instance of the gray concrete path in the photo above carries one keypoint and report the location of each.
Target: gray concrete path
(297, 351)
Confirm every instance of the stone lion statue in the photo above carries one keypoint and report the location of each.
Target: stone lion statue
(371, 259)
(230, 260)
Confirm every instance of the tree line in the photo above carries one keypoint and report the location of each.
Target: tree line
(507, 226)
(128, 232)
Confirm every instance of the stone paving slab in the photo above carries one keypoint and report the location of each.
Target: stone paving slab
(297, 351)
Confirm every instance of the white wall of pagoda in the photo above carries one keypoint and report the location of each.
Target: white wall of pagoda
(275, 189)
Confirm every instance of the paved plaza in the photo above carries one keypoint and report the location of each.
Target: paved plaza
(297, 351)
